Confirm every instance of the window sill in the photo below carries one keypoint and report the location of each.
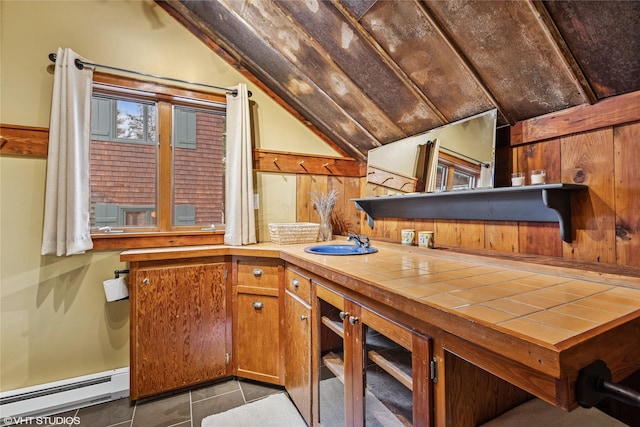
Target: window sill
(122, 241)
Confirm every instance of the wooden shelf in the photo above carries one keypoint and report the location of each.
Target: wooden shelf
(392, 368)
(538, 203)
(387, 355)
(334, 325)
(335, 364)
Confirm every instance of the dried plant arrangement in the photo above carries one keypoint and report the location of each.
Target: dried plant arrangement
(324, 204)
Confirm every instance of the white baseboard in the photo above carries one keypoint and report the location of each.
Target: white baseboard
(65, 395)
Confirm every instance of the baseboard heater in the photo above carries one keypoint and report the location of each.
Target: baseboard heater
(65, 395)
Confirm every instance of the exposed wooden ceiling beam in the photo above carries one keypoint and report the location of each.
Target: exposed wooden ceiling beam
(389, 61)
(552, 32)
(440, 28)
(230, 55)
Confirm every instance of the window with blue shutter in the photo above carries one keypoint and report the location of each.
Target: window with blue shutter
(185, 128)
(131, 160)
(185, 215)
(106, 215)
(101, 118)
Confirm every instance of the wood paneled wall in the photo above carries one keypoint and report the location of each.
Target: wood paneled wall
(606, 218)
(345, 217)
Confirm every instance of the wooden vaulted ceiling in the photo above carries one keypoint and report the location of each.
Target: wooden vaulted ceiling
(365, 73)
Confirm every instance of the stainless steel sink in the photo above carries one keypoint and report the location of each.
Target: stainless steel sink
(339, 250)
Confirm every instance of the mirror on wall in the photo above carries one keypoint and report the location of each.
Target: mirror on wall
(456, 156)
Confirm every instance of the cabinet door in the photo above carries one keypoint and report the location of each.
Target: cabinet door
(394, 372)
(371, 370)
(297, 348)
(257, 341)
(331, 360)
(179, 320)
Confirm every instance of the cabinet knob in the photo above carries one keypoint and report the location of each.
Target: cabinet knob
(257, 272)
(258, 305)
(303, 317)
(353, 320)
(343, 315)
(295, 283)
(145, 280)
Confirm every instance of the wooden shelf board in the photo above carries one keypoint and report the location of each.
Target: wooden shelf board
(334, 363)
(335, 326)
(391, 368)
(537, 203)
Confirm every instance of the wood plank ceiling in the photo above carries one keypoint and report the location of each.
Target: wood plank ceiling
(368, 72)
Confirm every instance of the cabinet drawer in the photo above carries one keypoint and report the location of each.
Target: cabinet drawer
(298, 284)
(262, 274)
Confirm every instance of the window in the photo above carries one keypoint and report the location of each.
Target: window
(442, 173)
(157, 158)
(123, 120)
(463, 180)
(455, 173)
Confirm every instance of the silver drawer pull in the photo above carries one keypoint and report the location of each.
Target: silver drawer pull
(353, 320)
(343, 315)
(303, 317)
(257, 272)
(145, 280)
(258, 305)
(295, 283)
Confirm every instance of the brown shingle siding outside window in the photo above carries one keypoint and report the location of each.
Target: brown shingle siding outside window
(198, 172)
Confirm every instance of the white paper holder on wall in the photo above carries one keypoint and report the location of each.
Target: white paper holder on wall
(116, 289)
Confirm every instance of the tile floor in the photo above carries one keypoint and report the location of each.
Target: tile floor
(183, 409)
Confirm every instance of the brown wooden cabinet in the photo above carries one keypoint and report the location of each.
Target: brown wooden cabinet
(257, 319)
(297, 340)
(179, 324)
(368, 369)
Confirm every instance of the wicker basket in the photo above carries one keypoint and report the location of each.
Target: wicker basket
(293, 232)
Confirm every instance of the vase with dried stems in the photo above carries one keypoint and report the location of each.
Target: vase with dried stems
(324, 204)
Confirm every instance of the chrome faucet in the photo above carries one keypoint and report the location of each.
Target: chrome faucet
(360, 240)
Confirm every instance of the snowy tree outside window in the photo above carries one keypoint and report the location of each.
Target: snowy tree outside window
(135, 121)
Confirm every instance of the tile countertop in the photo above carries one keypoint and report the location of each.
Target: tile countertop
(550, 307)
(533, 325)
(554, 320)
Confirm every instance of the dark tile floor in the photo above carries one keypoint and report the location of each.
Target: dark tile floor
(183, 409)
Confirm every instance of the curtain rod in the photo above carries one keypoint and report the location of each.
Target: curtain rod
(80, 65)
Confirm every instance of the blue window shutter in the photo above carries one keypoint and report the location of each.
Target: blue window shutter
(101, 113)
(185, 215)
(185, 128)
(106, 214)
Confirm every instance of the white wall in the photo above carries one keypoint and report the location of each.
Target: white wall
(54, 321)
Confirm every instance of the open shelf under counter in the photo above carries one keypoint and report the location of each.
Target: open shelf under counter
(389, 356)
(537, 203)
(335, 364)
(334, 325)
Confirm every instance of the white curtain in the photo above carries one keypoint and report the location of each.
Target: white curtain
(66, 210)
(240, 227)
